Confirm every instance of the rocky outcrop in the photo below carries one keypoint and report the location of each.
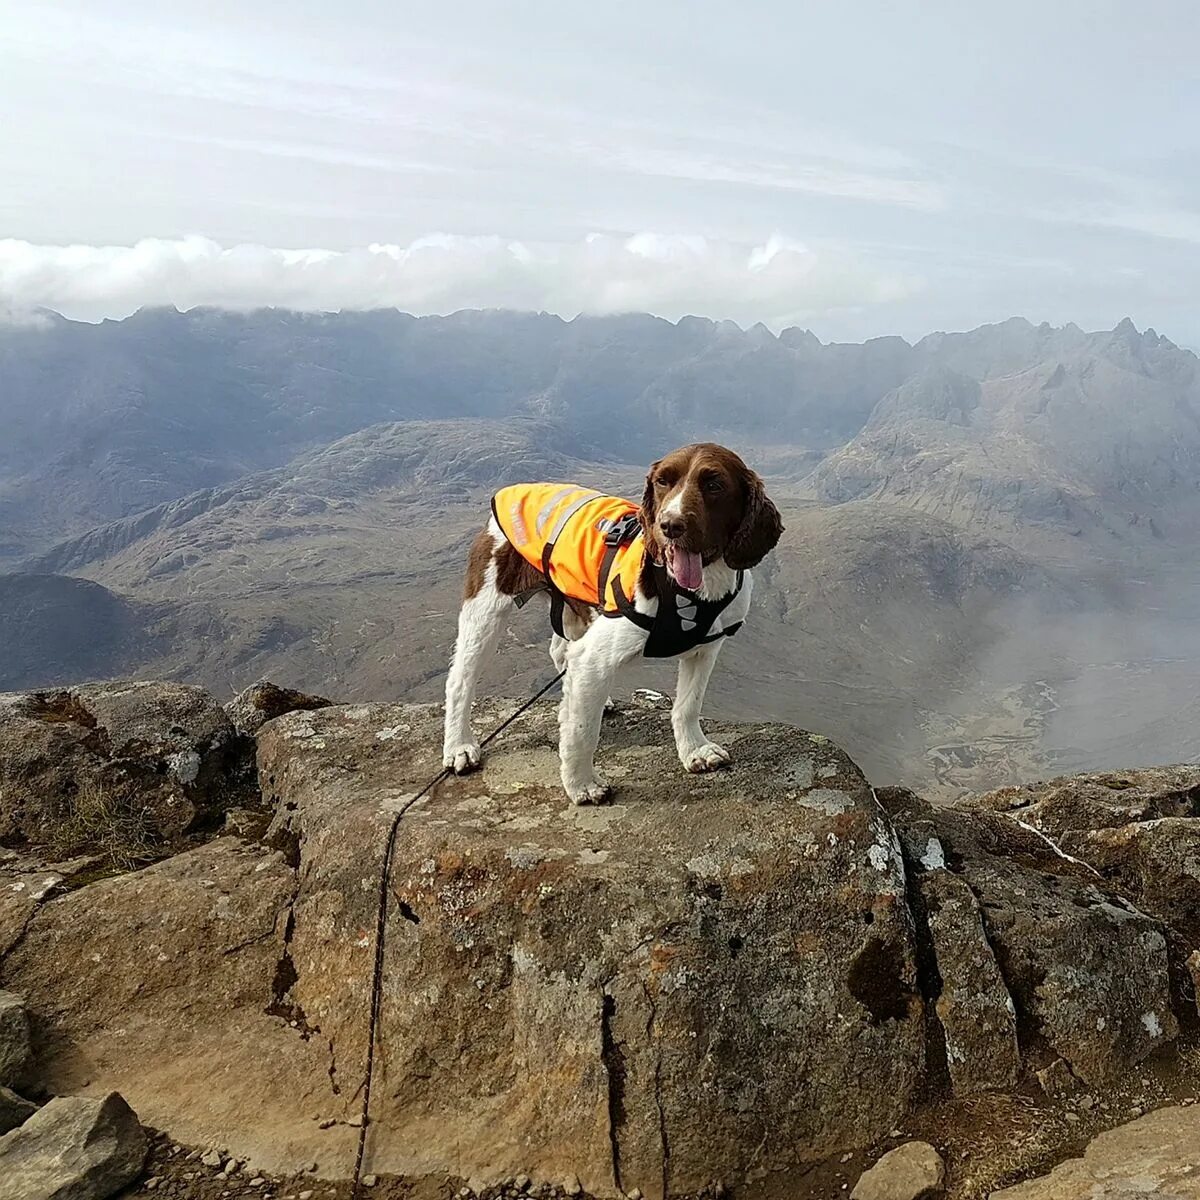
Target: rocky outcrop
(253, 707)
(1089, 975)
(1138, 829)
(711, 980)
(156, 758)
(73, 1149)
(662, 993)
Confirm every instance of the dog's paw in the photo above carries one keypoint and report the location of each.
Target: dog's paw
(709, 757)
(593, 792)
(462, 758)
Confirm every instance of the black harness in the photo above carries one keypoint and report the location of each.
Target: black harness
(683, 620)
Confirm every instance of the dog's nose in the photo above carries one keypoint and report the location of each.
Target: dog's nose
(673, 527)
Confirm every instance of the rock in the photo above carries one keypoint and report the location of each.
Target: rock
(13, 1110)
(195, 957)
(1090, 973)
(571, 1185)
(252, 708)
(1057, 1081)
(909, 1172)
(1104, 800)
(1156, 1155)
(212, 1159)
(975, 1010)
(701, 965)
(15, 1049)
(76, 762)
(1155, 864)
(73, 1148)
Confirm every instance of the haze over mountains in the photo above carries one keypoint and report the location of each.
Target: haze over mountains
(988, 570)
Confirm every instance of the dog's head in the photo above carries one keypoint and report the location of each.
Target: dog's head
(702, 504)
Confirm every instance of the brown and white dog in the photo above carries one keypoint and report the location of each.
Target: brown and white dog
(705, 516)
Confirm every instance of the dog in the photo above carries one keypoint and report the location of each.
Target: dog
(668, 578)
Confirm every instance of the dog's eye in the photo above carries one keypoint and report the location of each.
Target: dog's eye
(663, 482)
(714, 486)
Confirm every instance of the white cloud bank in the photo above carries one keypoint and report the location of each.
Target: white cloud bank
(779, 282)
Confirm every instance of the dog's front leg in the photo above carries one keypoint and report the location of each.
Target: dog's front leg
(696, 752)
(592, 664)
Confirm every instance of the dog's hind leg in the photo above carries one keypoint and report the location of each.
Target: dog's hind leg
(558, 652)
(575, 627)
(592, 664)
(480, 621)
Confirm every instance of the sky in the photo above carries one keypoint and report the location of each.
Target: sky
(860, 169)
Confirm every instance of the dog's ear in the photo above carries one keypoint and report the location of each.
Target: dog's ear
(649, 512)
(759, 531)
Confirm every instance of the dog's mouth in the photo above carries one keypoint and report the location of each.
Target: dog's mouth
(686, 567)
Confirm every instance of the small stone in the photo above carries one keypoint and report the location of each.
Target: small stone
(1057, 1079)
(152, 1183)
(258, 1181)
(311, 1168)
(307, 1194)
(355, 1122)
(906, 1173)
(846, 1157)
(476, 1186)
(1072, 1118)
(1087, 1103)
(572, 1186)
(636, 1194)
(327, 1123)
(212, 1159)
(522, 1182)
(370, 1180)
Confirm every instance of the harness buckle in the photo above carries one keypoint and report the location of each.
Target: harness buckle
(624, 531)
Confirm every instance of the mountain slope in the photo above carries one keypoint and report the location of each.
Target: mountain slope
(1099, 443)
(106, 421)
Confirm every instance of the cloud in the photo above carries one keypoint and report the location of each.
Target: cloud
(779, 282)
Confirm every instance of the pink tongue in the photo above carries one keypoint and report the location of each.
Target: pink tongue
(688, 569)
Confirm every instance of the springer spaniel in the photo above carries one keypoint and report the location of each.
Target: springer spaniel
(705, 520)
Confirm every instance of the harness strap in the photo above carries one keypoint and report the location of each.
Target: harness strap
(623, 533)
(558, 602)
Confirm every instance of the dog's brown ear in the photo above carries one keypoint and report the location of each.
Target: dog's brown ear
(759, 531)
(649, 512)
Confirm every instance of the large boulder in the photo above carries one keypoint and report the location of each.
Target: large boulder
(710, 979)
(74, 1148)
(1140, 830)
(1089, 974)
(150, 981)
(152, 759)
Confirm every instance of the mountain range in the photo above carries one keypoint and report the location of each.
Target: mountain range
(988, 569)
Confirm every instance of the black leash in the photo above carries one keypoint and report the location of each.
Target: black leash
(381, 928)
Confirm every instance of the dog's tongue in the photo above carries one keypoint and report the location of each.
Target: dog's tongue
(687, 568)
